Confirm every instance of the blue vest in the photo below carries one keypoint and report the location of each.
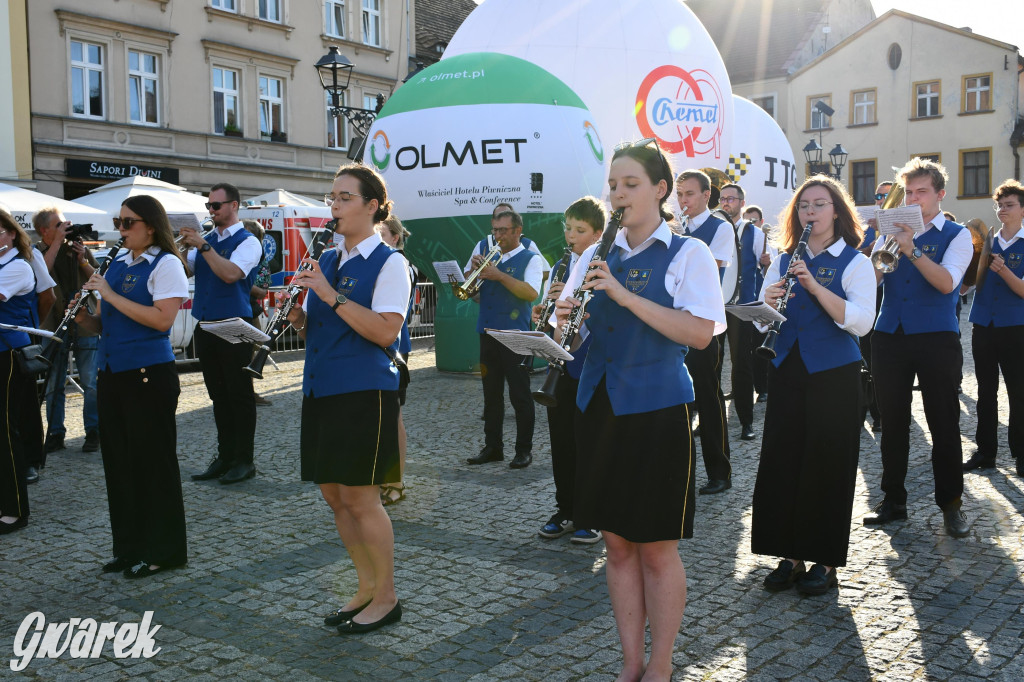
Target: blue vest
(706, 233)
(750, 267)
(907, 297)
(126, 344)
(995, 303)
(339, 360)
(643, 370)
(823, 345)
(404, 340)
(574, 368)
(20, 310)
(215, 299)
(499, 307)
(869, 238)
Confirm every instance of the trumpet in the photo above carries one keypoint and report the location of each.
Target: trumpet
(767, 349)
(471, 287)
(279, 322)
(208, 227)
(546, 394)
(888, 255)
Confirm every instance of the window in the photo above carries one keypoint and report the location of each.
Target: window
(936, 157)
(143, 88)
(975, 173)
(271, 108)
(270, 10)
(87, 96)
(767, 103)
(977, 92)
(862, 179)
(226, 5)
(816, 118)
(371, 22)
(862, 109)
(337, 127)
(225, 101)
(334, 24)
(927, 95)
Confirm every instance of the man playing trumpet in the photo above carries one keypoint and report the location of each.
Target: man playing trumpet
(509, 287)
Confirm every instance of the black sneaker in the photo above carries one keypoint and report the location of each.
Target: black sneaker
(92, 441)
(54, 442)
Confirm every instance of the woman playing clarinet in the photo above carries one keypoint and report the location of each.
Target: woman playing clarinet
(655, 295)
(137, 390)
(803, 497)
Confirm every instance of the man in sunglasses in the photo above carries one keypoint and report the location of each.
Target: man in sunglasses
(224, 264)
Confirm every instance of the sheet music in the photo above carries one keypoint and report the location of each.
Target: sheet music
(537, 344)
(910, 215)
(449, 271)
(29, 330)
(235, 330)
(867, 213)
(759, 312)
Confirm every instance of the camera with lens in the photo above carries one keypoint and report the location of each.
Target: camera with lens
(77, 233)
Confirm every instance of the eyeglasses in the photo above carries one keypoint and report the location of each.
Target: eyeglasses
(817, 205)
(501, 230)
(215, 205)
(329, 199)
(126, 223)
(728, 200)
(1004, 207)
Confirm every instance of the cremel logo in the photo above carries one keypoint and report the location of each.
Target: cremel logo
(82, 638)
(380, 150)
(590, 132)
(682, 109)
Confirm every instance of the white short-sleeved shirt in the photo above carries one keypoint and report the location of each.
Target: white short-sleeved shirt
(691, 278)
(958, 255)
(1004, 244)
(723, 243)
(544, 265)
(858, 284)
(393, 287)
(168, 279)
(246, 255)
(15, 279)
(43, 279)
(573, 259)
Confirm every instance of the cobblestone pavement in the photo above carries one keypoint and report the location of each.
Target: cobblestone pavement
(485, 598)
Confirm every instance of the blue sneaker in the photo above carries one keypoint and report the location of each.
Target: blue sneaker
(585, 536)
(556, 528)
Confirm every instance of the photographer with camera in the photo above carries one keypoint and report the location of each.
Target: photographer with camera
(70, 264)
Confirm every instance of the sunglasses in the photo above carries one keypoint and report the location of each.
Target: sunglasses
(215, 205)
(880, 195)
(126, 223)
(643, 143)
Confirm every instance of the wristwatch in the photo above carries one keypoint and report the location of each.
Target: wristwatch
(340, 300)
(204, 248)
(915, 254)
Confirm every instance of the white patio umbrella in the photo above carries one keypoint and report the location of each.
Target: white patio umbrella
(281, 197)
(177, 201)
(22, 204)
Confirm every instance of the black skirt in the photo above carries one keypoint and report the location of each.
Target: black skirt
(635, 472)
(803, 497)
(351, 438)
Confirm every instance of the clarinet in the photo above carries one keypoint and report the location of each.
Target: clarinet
(560, 274)
(60, 334)
(767, 349)
(279, 322)
(546, 395)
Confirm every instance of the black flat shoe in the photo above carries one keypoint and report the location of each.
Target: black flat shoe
(886, 512)
(117, 565)
(238, 473)
(340, 616)
(488, 454)
(216, 469)
(142, 570)
(521, 460)
(783, 577)
(17, 524)
(715, 486)
(979, 461)
(747, 432)
(353, 628)
(817, 580)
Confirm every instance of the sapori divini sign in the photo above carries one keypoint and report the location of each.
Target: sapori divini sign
(109, 170)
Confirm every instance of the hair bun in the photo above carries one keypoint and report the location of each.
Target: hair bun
(383, 211)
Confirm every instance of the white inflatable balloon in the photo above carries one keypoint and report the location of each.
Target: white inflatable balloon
(644, 68)
(761, 160)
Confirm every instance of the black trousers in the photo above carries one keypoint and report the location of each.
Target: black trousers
(138, 439)
(741, 348)
(561, 427)
(703, 366)
(995, 349)
(499, 365)
(865, 351)
(15, 388)
(936, 358)
(230, 389)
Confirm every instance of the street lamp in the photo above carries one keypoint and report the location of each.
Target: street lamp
(335, 72)
(838, 156)
(813, 150)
